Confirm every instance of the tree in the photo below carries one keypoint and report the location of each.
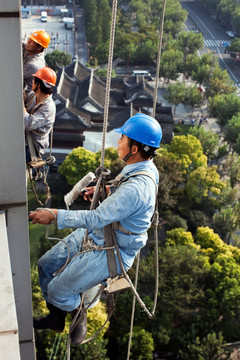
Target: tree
(210, 347)
(224, 107)
(209, 140)
(232, 130)
(195, 219)
(227, 221)
(193, 98)
(170, 177)
(175, 94)
(171, 64)
(57, 58)
(234, 47)
(205, 69)
(179, 237)
(77, 164)
(142, 346)
(186, 150)
(176, 221)
(104, 20)
(192, 63)
(101, 53)
(204, 182)
(202, 74)
(189, 42)
(220, 83)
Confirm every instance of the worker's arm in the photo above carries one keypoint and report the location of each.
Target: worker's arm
(43, 216)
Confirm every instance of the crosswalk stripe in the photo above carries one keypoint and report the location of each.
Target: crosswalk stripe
(216, 43)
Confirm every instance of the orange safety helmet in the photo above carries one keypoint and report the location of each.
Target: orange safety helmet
(41, 37)
(47, 75)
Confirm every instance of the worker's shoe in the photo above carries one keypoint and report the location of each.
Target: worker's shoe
(79, 331)
(55, 320)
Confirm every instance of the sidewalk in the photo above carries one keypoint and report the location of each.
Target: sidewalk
(184, 114)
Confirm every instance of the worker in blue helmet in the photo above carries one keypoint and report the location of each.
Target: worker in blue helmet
(130, 203)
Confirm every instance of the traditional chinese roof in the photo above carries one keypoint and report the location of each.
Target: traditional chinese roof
(80, 101)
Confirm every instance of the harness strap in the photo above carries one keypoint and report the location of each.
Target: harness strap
(31, 146)
(112, 265)
(109, 229)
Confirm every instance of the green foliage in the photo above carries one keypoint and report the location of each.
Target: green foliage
(176, 221)
(103, 72)
(171, 64)
(207, 239)
(220, 83)
(227, 221)
(170, 176)
(209, 140)
(58, 58)
(210, 347)
(142, 346)
(196, 218)
(187, 150)
(193, 98)
(189, 42)
(175, 94)
(232, 130)
(224, 107)
(179, 236)
(222, 151)
(77, 164)
(204, 182)
(231, 168)
(234, 46)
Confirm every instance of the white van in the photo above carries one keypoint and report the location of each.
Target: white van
(144, 73)
(43, 16)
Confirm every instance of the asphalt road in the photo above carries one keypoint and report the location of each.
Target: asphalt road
(65, 40)
(61, 38)
(215, 37)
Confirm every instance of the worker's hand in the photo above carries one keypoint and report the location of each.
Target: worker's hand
(88, 193)
(42, 216)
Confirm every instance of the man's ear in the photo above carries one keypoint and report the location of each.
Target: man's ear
(134, 149)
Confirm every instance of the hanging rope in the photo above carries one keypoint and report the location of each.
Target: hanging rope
(133, 308)
(47, 196)
(155, 96)
(54, 344)
(105, 115)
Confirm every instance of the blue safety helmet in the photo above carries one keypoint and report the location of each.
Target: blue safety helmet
(142, 128)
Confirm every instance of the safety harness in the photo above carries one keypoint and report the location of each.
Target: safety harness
(37, 162)
(109, 230)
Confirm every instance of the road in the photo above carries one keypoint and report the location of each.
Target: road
(215, 37)
(61, 38)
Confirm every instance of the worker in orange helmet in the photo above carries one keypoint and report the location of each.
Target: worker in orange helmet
(33, 56)
(39, 109)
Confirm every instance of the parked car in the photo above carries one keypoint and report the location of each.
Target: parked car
(230, 33)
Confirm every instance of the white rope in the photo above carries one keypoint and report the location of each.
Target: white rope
(133, 308)
(158, 59)
(106, 110)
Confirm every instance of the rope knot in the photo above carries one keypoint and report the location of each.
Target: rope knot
(104, 172)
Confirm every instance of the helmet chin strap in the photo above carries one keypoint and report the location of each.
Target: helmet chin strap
(127, 156)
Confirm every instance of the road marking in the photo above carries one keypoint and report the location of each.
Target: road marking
(216, 43)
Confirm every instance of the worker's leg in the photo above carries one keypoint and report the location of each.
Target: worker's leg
(84, 272)
(56, 257)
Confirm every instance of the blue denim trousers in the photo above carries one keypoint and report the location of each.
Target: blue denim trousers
(82, 273)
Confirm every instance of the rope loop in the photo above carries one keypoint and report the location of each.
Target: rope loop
(105, 173)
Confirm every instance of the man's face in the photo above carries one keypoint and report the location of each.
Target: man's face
(32, 47)
(123, 146)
